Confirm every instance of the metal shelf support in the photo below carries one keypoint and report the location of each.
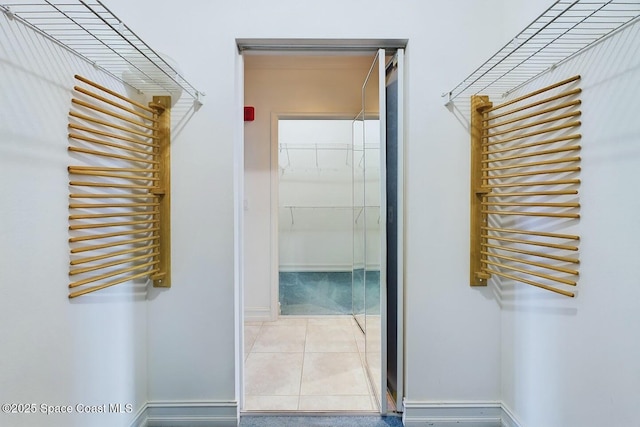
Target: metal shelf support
(565, 29)
(88, 29)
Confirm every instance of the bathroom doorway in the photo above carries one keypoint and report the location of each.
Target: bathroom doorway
(279, 88)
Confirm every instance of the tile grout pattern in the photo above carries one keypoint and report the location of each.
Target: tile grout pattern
(306, 364)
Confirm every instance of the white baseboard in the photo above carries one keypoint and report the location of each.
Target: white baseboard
(257, 314)
(462, 414)
(416, 414)
(140, 420)
(188, 414)
(508, 419)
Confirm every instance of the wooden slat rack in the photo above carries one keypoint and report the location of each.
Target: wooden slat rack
(525, 167)
(119, 199)
(525, 153)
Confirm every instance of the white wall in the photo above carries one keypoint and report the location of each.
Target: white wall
(575, 362)
(91, 350)
(452, 331)
(314, 195)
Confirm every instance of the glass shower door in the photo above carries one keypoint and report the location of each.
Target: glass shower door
(359, 238)
(374, 142)
(377, 228)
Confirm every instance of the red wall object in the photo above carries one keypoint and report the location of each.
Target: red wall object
(249, 114)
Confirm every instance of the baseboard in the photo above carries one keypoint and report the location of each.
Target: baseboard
(463, 414)
(416, 414)
(140, 420)
(188, 414)
(257, 314)
(508, 419)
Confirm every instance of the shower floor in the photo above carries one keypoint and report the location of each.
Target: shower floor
(325, 293)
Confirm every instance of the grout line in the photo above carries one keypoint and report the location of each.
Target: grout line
(247, 349)
(304, 352)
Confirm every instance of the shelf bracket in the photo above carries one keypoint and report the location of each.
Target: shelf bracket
(162, 105)
(479, 103)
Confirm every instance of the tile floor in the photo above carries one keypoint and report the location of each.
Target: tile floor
(306, 364)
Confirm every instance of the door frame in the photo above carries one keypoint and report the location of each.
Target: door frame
(397, 62)
(301, 47)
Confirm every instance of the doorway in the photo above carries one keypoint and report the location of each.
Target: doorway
(264, 205)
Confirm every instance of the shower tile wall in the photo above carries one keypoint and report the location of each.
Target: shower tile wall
(372, 292)
(317, 293)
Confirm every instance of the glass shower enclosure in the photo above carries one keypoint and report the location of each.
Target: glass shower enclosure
(369, 223)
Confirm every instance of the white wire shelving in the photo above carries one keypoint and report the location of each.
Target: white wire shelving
(561, 32)
(90, 30)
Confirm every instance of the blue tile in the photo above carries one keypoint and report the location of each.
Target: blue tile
(372, 291)
(322, 292)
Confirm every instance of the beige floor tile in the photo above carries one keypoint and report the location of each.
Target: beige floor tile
(280, 339)
(253, 323)
(333, 374)
(288, 321)
(335, 403)
(359, 337)
(329, 376)
(273, 374)
(335, 338)
(330, 321)
(271, 403)
(373, 324)
(250, 334)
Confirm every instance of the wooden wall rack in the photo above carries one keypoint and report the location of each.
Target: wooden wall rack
(120, 193)
(525, 167)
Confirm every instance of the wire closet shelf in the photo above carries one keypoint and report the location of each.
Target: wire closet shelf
(90, 30)
(562, 31)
